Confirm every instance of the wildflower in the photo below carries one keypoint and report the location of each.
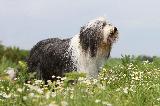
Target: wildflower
(132, 88)
(97, 101)
(104, 69)
(106, 103)
(58, 77)
(31, 94)
(64, 78)
(95, 81)
(37, 82)
(28, 82)
(145, 62)
(40, 91)
(49, 82)
(53, 104)
(136, 78)
(109, 104)
(80, 78)
(158, 99)
(53, 94)
(135, 73)
(36, 88)
(58, 82)
(118, 89)
(102, 87)
(24, 98)
(64, 103)
(15, 79)
(105, 78)
(71, 96)
(3, 94)
(87, 82)
(7, 96)
(19, 89)
(47, 95)
(22, 64)
(125, 90)
(8, 89)
(53, 76)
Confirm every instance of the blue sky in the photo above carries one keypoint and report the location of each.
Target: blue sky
(24, 22)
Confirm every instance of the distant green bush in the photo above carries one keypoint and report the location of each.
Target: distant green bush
(13, 54)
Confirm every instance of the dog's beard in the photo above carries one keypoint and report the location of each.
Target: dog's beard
(112, 38)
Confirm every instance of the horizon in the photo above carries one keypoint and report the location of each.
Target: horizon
(24, 23)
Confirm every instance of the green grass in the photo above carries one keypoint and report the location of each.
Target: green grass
(122, 82)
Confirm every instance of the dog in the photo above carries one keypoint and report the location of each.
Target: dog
(85, 52)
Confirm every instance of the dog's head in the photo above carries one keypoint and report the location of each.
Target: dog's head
(98, 34)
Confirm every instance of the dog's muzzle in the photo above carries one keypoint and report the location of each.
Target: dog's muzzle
(113, 36)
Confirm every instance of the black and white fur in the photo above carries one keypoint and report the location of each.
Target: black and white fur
(85, 52)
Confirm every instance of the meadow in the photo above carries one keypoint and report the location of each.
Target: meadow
(126, 81)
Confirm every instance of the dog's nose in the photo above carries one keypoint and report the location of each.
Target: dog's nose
(115, 29)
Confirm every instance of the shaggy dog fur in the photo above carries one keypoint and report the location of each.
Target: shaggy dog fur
(85, 52)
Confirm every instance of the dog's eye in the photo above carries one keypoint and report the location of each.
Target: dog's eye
(104, 24)
(109, 24)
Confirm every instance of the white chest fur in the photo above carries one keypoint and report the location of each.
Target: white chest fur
(83, 61)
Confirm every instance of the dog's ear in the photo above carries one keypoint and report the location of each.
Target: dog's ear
(90, 39)
(84, 38)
